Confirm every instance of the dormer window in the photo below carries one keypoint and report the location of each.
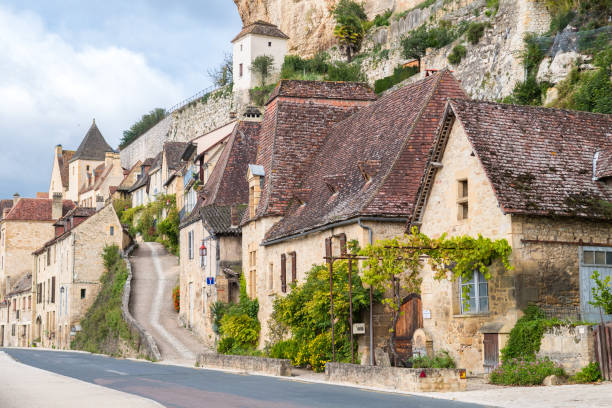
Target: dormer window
(331, 188)
(368, 169)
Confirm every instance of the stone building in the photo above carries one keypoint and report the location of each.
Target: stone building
(23, 229)
(211, 259)
(539, 178)
(102, 182)
(122, 192)
(60, 171)
(67, 272)
(171, 162)
(357, 185)
(90, 154)
(256, 39)
(139, 192)
(16, 315)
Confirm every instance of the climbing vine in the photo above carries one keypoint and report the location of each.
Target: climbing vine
(395, 264)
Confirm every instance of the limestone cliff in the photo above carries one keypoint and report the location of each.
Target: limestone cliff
(308, 23)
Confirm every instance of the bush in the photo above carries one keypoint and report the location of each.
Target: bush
(440, 360)
(260, 94)
(528, 92)
(526, 335)
(139, 128)
(590, 373)
(343, 71)
(176, 298)
(240, 327)
(417, 41)
(399, 75)
(455, 57)
(295, 67)
(525, 372)
(383, 19)
(475, 31)
(285, 349)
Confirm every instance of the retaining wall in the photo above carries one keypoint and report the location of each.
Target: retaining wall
(271, 366)
(396, 378)
(571, 347)
(146, 340)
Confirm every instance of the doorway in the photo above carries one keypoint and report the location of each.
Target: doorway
(491, 351)
(411, 319)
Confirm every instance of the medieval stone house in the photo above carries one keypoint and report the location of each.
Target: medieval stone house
(60, 171)
(67, 270)
(536, 177)
(211, 259)
(16, 314)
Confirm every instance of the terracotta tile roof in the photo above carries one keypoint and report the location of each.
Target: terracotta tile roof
(260, 27)
(603, 165)
(4, 204)
(355, 91)
(23, 285)
(540, 160)
(128, 182)
(35, 209)
(93, 146)
(63, 161)
(72, 219)
(217, 219)
(144, 180)
(292, 132)
(173, 152)
(372, 162)
(227, 183)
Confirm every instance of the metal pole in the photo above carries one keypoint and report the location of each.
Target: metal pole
(372, 356)
(350, 272)
(331, 300)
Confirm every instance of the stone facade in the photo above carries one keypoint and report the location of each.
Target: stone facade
(571, 347)
(67, 274)
(16, 317)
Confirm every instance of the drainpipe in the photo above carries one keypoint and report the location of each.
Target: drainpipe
(372, 360)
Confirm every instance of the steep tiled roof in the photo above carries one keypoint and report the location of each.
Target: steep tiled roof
(35, 209)
(227, 183)
(144, 180)
(174, 151)
(217, 219)
(127, 182)
(23, 285)
(292, 132)
(93, 146)
(63, 161)
(355, 91)
(260, 27)
(72, 218)
(4, 204)
(539, 160)
(372, 162)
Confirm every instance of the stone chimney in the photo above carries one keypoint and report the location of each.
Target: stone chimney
(16, 198)
(252, 114)
(232, 115)
(99, 202)
(234, 216)
(111, 158)
(58, 150)
(57, 206)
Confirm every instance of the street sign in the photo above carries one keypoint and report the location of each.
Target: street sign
(210, 280)
(358, 328)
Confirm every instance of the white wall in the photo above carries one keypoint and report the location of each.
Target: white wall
(250, 47)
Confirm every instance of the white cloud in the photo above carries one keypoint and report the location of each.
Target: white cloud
(51, 90)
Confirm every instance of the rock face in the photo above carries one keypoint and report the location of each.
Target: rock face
(308, 23)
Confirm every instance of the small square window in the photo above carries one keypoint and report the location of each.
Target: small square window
(83, 293)
(600, 258)
(588, 257)
(608, 258)
(463, 189)
(269, 43)
(112, 230)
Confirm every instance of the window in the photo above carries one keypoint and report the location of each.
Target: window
(283, 276)
(252, 202)
(83, 293)
(462, 199)
(477, 292)
(293, 267)
(190, 244)
(269, 43)
(112, 230)
(253, 274)
(53, 289)
(48, 256)
(271, 277)
(601, 257)
(240, 47)
(13, 330)
(30, 302)
(240, 70)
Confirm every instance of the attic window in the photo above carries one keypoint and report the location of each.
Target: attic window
(462, 200)
(368, 169)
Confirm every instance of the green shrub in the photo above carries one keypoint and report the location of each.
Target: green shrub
(241, 327)
(295, 67)
(440, 360)
(525, 372)
(399, 75)
(260, 94)
(455, 57)
(417, 41)
(285, 349)
(343, 71)
(383, 19)
(475, 31)
(589, 373)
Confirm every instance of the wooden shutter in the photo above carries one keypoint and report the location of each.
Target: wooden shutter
(343, 243)
(53, 289)
(283, 273)
(293, 267)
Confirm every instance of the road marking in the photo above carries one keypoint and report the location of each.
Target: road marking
(156, 306)
(116, 372)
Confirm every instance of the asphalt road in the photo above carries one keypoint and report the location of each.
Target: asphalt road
(182, 387)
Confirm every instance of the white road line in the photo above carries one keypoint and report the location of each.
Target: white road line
(157, 305)
(116, 372)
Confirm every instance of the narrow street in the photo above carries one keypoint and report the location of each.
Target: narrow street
(184, 387)
(155, 273)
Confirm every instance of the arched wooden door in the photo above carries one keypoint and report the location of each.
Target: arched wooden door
(411, 319)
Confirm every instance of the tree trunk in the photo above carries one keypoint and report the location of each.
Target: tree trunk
(396, 316)
(349, 56)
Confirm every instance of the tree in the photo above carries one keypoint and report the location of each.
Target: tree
(602, 294)
(222, 74)
(263, 66)
(350, 17)
(416, 43)
(395, 264)
(145, 123)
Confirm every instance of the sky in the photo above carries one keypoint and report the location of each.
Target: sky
(64, 63)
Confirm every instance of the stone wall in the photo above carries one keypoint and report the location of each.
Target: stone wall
(396, 378)
(256, 365)
(572, 347)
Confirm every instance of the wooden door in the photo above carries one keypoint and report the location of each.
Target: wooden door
(491, 351)
(411, 319)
